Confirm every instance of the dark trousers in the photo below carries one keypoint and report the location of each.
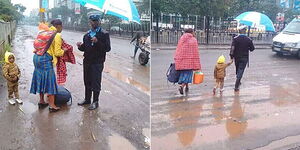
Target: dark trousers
(240, 65)
(136, 48)
(92, 74)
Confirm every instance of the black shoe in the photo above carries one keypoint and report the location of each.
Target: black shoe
(53, 109)
(180, 90)
(187, 89)
(237, 84)
(84, 102)
(42, 105)
(236, 90)
(93, 106)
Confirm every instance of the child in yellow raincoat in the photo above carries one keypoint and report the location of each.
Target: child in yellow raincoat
(11, 73)
(220, 73)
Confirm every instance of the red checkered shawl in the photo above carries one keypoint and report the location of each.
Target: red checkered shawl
(61, 62)
(187, 54)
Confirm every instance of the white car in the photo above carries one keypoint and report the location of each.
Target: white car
(116, 28)
(288, 41)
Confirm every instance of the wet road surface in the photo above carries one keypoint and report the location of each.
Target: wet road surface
(122, 120)
(264, 114)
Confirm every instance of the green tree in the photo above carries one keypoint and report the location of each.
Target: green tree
(9, 12)
(143, 6)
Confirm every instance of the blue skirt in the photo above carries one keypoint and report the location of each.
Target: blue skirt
(186, 76)
(43, 79)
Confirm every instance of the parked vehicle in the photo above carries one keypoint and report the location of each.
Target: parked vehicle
(287, 42)
(116, 28)
(144, 46)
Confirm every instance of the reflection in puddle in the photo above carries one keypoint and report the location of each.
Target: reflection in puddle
(128, 80)
(217, 109)
(122, 77)
(235, 125)
(117, 142)
(187, 115)
(285, 94)
(28, 107)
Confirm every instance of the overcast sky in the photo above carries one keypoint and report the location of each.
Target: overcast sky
(30, 4)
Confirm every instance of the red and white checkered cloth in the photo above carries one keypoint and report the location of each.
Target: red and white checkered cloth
(61, 62)
(187, 54)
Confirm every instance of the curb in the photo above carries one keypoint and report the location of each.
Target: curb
(205, 48)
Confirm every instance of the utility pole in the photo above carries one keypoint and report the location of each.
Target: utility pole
(42, 12)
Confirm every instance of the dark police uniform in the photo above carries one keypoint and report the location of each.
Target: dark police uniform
(93, 62)
(240, 47)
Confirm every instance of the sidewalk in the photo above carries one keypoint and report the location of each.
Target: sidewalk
(206, 47)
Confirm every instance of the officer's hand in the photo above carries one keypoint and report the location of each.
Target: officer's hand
(79, 44)
(94, 40)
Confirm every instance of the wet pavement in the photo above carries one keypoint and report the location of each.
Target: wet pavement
(263, 115)
(122, 120)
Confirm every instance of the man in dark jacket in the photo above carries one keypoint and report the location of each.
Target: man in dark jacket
(95, 45)
(240, 47)
(136, 38)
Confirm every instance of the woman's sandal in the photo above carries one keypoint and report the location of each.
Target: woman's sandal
(42, 105)
(53, 109)
(180, 90)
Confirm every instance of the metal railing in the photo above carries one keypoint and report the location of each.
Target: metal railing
(172, 37)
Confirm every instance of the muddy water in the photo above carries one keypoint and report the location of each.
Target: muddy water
(118, 63)
(27, 127)
(228, 121)
(117, 142)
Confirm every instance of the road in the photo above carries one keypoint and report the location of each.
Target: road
(264, 115)
(121, 122)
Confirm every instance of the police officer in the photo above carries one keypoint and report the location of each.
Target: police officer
(95, 45)
(240, 47)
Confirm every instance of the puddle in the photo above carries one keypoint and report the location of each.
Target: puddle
(27, 108)
(116, 142)
(122, 77)
(129, 80)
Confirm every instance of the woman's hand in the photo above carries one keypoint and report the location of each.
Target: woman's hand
(64, 49)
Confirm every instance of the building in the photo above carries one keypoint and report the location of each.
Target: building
(69, 3)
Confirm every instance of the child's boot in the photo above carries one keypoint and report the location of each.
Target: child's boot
(19, 101)
(11, 101)
(221, 91)
(214, 91)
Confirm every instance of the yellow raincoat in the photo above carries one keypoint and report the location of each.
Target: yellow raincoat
(55, 48)
(10, 70)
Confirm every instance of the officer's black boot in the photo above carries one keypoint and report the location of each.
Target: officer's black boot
(95, 103)
(237, 85)
(87, 99)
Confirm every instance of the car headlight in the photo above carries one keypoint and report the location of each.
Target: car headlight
(290, 44)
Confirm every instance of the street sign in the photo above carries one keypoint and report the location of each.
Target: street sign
(42, 10)
(45, 4)
(297, 4)
(285, 3)
(77, 8)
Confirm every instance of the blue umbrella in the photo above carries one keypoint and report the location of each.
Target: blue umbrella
(124, 9)
(256, 19)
